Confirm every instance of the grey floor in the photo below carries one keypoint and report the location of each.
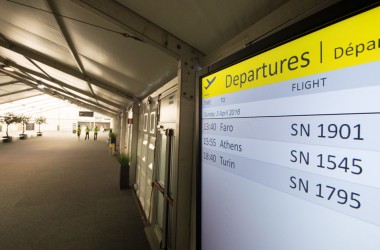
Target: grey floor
(60, 193)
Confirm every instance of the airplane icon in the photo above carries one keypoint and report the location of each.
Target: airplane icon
(210, 82)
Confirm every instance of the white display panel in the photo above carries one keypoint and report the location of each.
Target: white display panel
(292, 160)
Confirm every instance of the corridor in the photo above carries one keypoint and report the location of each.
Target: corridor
(60, 193)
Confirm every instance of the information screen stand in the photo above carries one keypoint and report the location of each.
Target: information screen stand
(290, 144)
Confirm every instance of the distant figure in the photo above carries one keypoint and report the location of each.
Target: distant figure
(96, 133)
(87, 133)
(78, 133)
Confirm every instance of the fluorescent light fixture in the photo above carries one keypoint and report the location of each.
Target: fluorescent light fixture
(39, 85)
(7, 68)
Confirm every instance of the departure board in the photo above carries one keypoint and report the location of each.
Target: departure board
(290, 144)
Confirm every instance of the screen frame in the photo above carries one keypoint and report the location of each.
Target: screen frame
(329, 16)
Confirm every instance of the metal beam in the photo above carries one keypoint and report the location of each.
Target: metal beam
(16, 105)
(81, 98)
(23, 98)
(31, 113)
(89, 106)
(20, 76)
(58, 105)
(141, 28)
(38, 67)
(62, 84)
(69, 41)
(26, 110)
(61, 96)
(66, 35)
(20, 49)
(16, 92)
(8, 83)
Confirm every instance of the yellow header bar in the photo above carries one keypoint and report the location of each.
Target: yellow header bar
(348, 43)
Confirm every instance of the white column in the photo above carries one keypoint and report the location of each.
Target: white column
(135, 134)
(123, 130)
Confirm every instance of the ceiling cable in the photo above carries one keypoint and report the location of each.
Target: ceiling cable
(124, 34)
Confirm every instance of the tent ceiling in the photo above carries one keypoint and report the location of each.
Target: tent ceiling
(106, 53)
(206, 25)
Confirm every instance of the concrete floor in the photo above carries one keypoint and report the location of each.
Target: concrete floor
(60, 193)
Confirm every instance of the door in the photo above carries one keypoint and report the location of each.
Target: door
(146, 153)
(162, 220)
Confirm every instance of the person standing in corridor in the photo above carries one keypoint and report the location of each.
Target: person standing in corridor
(78, 132)
(96, 133)
(87, 133)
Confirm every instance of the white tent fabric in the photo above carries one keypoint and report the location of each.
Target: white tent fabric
(106, 54)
